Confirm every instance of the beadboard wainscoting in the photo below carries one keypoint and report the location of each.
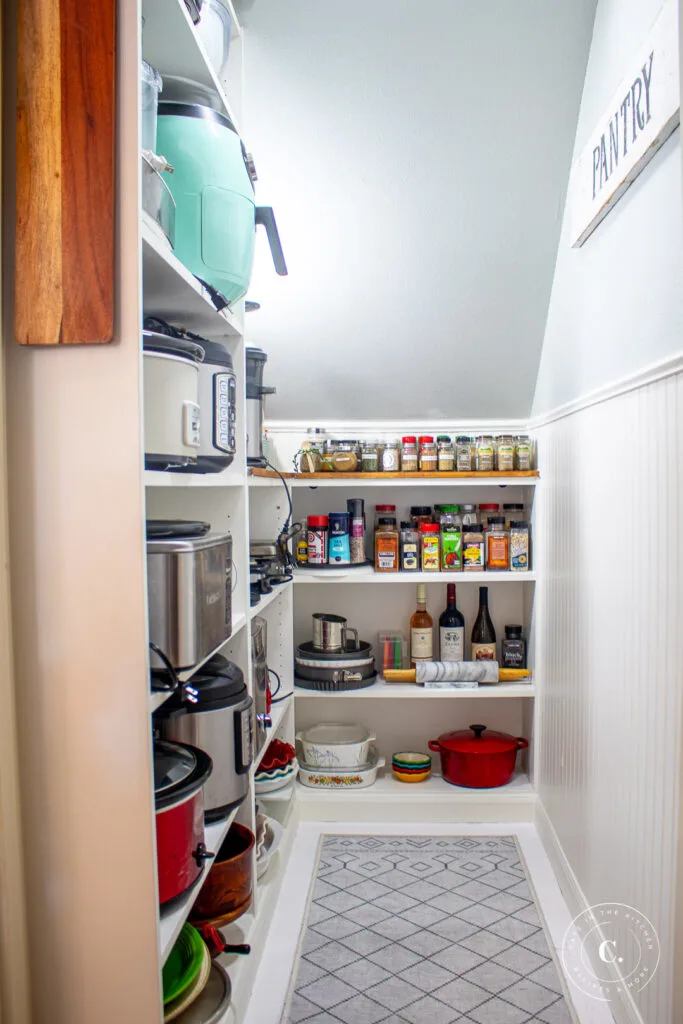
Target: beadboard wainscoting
(610, 654)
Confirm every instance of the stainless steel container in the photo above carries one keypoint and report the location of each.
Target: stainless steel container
(189, 585)
(330, 632)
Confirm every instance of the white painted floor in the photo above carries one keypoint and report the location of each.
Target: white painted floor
(275, 970)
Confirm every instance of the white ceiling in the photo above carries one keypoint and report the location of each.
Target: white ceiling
(417, 158)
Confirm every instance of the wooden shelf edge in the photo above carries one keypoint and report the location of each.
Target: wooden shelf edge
(268, 474)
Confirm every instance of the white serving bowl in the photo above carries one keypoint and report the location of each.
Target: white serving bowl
(343, 747)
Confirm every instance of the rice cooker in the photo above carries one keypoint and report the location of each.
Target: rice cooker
(212, 186)
(218, 405)
(171, 390)
(221, 722)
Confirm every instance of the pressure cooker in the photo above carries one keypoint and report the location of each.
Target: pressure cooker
(221, 722)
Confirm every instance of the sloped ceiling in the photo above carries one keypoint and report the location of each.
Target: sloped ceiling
(417, 158)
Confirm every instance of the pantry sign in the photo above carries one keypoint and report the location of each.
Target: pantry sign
(641, 117)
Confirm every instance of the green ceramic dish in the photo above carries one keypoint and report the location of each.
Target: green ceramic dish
(411, 760)
(183, 964)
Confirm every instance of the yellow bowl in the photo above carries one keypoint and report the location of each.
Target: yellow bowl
(411, 776)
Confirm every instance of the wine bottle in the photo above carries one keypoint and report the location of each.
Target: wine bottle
(421, 630)
(483, 633)
(451, 629)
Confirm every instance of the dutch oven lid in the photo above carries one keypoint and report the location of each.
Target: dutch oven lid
(478, 740)
(219, 684)
(179, 771)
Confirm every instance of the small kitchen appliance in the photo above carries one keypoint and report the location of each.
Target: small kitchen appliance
(171, 390)
(256, 392)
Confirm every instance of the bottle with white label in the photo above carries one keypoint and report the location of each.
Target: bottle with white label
(421, 630)
(451, 629)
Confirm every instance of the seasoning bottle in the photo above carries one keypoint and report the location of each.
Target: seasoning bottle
(453, 510)
(505, 451)
(497, 544)
(410, 548)
(513, 510)
(386, 545)
(317, 540)
(486, 510)
(428, 454)
(382, 511)
(445, 456)
(339, 552)
(451, 541)
(420, 514)
(430, 547)
(469, 514)
(421, 629)
(483, 633)
(513, 648)
(390, 457)
(473, 547)
(522, 453)
(302, 548)
(356, 510)
(368, 457)
(519, 546)
(485, 449)
(463, 454)
(409, 460)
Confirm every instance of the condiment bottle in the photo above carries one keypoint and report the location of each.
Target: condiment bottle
(302, 547)
(445, 458)
(356, 510)
(409, 460)
(505, 453)
(430, 547)
(390, 457)
(522, 453)
(485, 449)
(339, 551)
(497, 544)
(386, 545)
(410, 548)
(451, 542)
(428, 454)
(513, 648)
(473, 547)
(317, 540)
(519, 546)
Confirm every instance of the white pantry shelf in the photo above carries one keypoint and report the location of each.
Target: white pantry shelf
(382, 690)
(172, 292)
(156, 478)
(157, 698)
(368, 575)
(268, 599)
(172, 919)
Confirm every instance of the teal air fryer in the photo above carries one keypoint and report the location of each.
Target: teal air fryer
(216, 216)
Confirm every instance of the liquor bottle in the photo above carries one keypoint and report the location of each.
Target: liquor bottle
(483, 633)
(451, 629)
(421, 630)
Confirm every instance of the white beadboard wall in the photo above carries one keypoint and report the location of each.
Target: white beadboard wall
(610, 650)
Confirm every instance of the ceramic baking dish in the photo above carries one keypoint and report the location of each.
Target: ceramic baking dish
(336, 747)
(358, 778)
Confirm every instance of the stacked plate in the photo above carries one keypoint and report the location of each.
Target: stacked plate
(277, 768)
(185, 973)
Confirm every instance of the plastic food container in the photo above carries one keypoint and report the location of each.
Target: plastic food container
(214, 32)
(344, 747)
(151, 87)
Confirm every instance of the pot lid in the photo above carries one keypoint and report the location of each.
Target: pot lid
(478, 740)
(176, 528)
(152, 341)
(179, 771)
(219, 684)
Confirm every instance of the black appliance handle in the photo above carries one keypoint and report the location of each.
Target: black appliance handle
(266, 217)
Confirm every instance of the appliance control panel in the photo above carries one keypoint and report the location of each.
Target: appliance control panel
(224, 406)
(191, 416)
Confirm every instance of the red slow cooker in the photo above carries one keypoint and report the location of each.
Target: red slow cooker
(470, 758)
(180, 772)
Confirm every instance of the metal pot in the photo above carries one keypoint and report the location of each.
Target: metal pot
(470, 758)
(179, 776)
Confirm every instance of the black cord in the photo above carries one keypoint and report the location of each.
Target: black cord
(286, 533)
(272, 672)
(287, 492)
(280, 699)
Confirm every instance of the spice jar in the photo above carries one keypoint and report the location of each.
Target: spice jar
(386, 545)
(356, 510)
(473, 547)
(505, 452)
(410, 548)
(484, 453)
(519, 546)
(514, 648)
(409, 462)
(430, 547)
(453, 510)
(514, 510)
(420, 514)
(428, 454)
(368, 456)
(317, 540)
(390, 457)
(451, 540)
(445, 456)
(463, 454)
(469, 514)
(339, 550)
(382, 511)
(497, 544)
(488, 509)
(522, 453)
(344, 456)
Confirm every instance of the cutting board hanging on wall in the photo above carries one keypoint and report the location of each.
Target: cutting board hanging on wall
(66, 135)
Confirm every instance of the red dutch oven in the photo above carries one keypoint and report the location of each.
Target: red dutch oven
(470, 758)
(180, 772)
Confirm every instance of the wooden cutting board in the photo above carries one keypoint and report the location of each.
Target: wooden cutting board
(64, 243)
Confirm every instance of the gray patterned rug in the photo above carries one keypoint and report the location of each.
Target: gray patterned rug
(424, 930)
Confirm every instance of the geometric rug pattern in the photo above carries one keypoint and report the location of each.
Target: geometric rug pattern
(424, 930)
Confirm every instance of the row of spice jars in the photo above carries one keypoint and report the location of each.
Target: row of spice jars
(425, 454)
(449, 547)
(462, 514)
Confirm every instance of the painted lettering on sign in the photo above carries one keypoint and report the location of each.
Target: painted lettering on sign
(629, 120)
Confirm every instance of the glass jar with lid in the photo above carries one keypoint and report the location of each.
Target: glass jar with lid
(463, 454)
(428, 454)
(523, 456)
(469, 514)
(485, 453)
(368, 455)
(390, 457)
(505, 453)
(409, 459)
(445, 459)
(383, 512)
(420, 514)
(346, 456)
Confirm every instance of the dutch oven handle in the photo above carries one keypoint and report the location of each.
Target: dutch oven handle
(217, 944)
(522, 744)
(435, 746)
